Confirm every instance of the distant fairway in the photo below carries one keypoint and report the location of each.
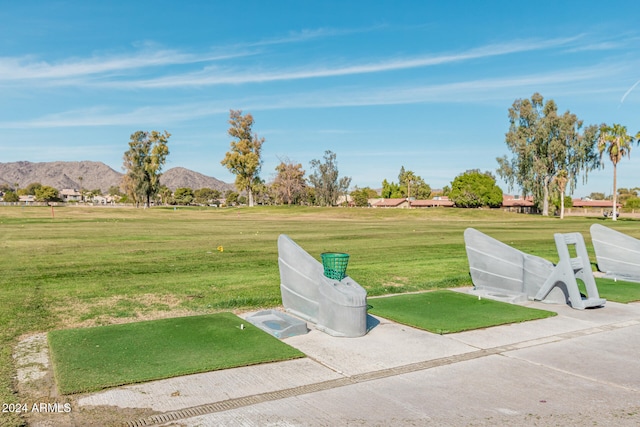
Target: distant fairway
(94, 266)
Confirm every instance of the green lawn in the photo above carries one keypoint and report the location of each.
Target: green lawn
(445, 312)
(90, 359)
(97, 266)
(618, 290)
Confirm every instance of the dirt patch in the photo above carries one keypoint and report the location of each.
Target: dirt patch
(396, 282)
(76, 313)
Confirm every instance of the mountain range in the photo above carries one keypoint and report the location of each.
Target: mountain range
(90, 175)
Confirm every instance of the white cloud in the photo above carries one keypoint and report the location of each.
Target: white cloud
(73, 71)
(29, 69)
(629, 91)
(103, 116)
(310, 34)
(219, 76)
(473, 91)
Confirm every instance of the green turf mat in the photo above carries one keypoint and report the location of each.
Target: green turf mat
(444, 311)
(91, 359)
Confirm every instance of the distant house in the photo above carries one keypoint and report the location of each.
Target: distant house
(391, 203)
(597, 204)
(603, 207)
(70, 195)
(103, 200)
(410, 203)
(517, 203)
(29, 198)
(510, 203)
(438, 201)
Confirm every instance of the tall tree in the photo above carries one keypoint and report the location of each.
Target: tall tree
(244, 159)
(615, 141)
(165, 194)
(289, 184)
(128, 186)
(626, 193)
(409, 185)
(361, 196)
(262, 192)
(30, 189)
(474, 189)
(408, 178)
(11, 197)
(143, 163)
(325, 180)
(576, 153)
(183, 196)
(343, 188)
(46, 194)
(206, 195)
(544, 144)
(391, 190)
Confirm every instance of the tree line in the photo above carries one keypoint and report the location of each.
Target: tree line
(550, 152)
(147, 153)
(323, 186)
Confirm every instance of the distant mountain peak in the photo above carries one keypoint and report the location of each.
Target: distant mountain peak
(91, 175)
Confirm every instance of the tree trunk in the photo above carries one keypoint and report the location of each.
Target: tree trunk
(250, 192)
(545, 201)
(562, 204)
(615, 195)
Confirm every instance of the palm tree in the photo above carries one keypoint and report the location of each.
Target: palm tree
(617, 143)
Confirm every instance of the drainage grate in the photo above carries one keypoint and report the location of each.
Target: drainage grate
(305, 389)
(355, 379)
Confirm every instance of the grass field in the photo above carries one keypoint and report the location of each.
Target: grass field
(618, 291)
(98, 266)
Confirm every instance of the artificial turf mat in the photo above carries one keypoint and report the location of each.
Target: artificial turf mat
(618, 290)
(445, 312)
(91, 359)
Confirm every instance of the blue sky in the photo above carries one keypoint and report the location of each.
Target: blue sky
(383, 84)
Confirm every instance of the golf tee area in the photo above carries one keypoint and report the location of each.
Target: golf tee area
(92, 267)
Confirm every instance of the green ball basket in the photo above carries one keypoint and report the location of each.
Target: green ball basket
(335, 264)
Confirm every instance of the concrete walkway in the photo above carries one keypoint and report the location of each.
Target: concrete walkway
(578, 368)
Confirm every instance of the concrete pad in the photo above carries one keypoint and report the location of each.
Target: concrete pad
(542, 330)
(494, 390)
(551, 329)
(386, 346)
(31, 357)
(599, 357)
(611, 312)
(199, 389)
